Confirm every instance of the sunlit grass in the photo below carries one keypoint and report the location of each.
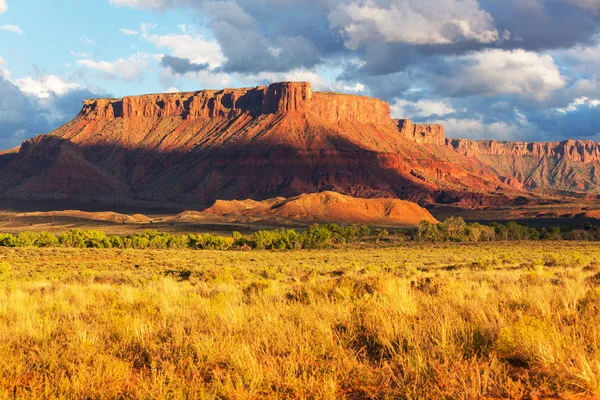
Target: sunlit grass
(499, 320)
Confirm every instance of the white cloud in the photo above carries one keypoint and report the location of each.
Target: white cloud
(4, 73)
(422, 108)
(86, 40)
(80, 55)
(192, 47)
(412, 21)
(582, 101)
(44, 86)
(128, 31)
(316, 77)
(496, 71)
(478, 130)
(12, 28)
(129, 69)
(585, 59)
(205, 78)
(3, 6)
(172, 90)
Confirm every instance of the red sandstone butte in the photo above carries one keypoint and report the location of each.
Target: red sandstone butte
(190, 149)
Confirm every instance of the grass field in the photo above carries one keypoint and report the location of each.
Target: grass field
(454, 321)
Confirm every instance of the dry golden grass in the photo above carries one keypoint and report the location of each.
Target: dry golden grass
(459, 321)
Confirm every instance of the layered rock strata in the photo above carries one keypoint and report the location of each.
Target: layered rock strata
(190, 149)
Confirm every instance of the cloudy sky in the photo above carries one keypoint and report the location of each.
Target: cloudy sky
(487, 69)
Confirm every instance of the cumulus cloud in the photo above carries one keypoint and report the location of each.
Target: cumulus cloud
(584, 59)
(423, 108)
(492, 72)
(37, 105)
(193, 47)
(578, 103)
(3, 6)
(413, 21)
(127, 69)
(45, 86)
(12, 28)
(248, 51)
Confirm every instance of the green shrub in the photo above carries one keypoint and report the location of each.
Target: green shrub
(7, 240)
(73, 238)
(316, 236)
(46, 239)
(207, 241)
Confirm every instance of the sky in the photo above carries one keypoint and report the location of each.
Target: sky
(525, 70)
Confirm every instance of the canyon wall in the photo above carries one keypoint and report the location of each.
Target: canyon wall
(281, 140)
(278, 99)
(585, 151)
(422, 133)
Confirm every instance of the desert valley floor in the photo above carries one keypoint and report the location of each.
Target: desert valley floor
(493, 320)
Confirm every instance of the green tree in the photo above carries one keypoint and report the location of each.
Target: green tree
(46, 239)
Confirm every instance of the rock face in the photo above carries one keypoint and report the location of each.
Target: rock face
(277, 99)
(572, 165)
(584, 151)
(422, 133)
(186, 150)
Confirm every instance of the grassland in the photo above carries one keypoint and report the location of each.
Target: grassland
(455, 321)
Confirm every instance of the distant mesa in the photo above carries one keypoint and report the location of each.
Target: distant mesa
(187, 150)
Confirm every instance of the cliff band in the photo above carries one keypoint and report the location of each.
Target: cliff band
(279, 140)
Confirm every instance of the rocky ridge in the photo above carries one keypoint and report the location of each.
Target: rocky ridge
(326, 207)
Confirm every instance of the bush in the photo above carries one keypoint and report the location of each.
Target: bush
(207, 241)
(81, 239)
(7, 240)
(316, 236)
(26, 239)
(117, 242)
(46, 239)
(72, 238)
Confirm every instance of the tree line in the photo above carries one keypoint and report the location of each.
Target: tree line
(453, 229)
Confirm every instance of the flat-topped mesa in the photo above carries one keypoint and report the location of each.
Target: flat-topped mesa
(585, 151)
(277, 98)
(422, 133)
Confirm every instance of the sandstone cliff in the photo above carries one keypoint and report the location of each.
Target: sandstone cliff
(585, 151)
(190, 149)
(572, 165)
(422, 133)
(277, 99)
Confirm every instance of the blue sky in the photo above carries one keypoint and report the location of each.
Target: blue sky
(510, 70)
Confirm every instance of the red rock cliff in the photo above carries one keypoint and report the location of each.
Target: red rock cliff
(282, 139)
(278, 98)
(422, 133)
(585, 151)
